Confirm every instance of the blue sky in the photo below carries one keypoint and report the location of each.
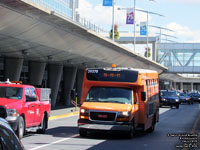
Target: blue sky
(182, 16)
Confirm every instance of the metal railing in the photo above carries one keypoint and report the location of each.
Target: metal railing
(62, 8)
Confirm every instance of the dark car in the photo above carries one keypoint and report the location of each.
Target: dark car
(185, 98)
(195, 97)
(169, 98)
(8, 139)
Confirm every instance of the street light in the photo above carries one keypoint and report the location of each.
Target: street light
(149, 12)
(161, 28)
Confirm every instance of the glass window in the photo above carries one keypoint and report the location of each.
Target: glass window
(110, 95)
(11, 92)
(33, 94)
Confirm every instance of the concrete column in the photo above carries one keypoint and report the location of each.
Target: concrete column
(154, 51)
(13, 68)
(79, 82)
(181, 86)
(69, 77)
(170, 85)
(36, 72)
(192, 86)
(54, 78)
(175, 85)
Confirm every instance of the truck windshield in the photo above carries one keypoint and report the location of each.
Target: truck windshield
(11, 92)
(110, 95)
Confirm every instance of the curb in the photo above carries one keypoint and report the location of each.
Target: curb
(64, 115)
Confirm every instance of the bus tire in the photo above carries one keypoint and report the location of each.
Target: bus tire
(152, 128)
(131, 133)
(82, 133)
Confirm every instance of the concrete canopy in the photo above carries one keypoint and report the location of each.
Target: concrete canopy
(30, 33)
(178, 78)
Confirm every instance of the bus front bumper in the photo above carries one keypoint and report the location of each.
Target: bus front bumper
(104, 126)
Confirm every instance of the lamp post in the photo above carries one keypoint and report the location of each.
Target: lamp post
(161, 28)
(113, 20)
(149, 12)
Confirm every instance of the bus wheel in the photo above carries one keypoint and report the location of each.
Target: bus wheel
(132, 131)
(177, 106)
(82, 133)
(152, 128)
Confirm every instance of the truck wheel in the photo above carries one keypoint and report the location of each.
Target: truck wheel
(177, 106)
(82, 133)
(21, 128)
(43, 125)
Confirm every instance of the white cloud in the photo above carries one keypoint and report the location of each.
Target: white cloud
(183, 33)
(102, 16)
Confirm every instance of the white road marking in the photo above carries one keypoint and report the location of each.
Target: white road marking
(59, 141)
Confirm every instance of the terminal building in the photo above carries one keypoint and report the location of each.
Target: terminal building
(43, 44)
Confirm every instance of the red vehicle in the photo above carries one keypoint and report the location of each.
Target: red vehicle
(24, 106)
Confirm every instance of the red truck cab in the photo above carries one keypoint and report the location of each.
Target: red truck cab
(24, 106)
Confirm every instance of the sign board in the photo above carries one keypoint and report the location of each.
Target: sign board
(143, 28)
(107, 2)
(129, 17)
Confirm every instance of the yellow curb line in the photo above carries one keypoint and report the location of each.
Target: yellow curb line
(64, 115)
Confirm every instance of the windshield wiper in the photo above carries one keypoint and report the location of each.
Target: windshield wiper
(113, 102)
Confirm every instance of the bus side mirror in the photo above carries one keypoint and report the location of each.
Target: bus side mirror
(143, 96)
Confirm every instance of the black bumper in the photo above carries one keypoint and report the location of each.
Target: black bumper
(167, 103)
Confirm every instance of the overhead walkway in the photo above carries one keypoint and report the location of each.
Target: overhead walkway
(179, 57)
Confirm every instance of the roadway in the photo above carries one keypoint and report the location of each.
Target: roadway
(63, 134)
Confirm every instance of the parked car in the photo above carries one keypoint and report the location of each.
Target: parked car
(185, 98)
(195, 97)
(169, 98)
(8, 139)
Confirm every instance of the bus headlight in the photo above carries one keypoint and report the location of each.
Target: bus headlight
(84, 114)
(124, 114)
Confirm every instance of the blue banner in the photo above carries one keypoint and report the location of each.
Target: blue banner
(143, 28)
(107, 2)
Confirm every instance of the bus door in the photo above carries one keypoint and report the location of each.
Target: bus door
(136, 106)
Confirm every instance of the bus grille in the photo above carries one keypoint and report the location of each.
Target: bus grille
(103, 116)
(3, 113)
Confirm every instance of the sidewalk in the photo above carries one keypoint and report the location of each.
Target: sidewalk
(63, 112)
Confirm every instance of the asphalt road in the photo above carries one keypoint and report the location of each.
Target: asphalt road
(173, 125)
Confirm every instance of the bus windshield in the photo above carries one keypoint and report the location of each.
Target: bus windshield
(110, 95)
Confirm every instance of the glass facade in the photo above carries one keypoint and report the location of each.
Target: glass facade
(62, 7)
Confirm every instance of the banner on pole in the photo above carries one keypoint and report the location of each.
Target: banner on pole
(129, 17)
(107, 2)
(143, 28)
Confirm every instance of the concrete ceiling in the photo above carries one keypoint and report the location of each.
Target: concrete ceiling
(29, 33)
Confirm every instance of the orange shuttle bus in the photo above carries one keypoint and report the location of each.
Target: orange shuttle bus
(119, 99)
